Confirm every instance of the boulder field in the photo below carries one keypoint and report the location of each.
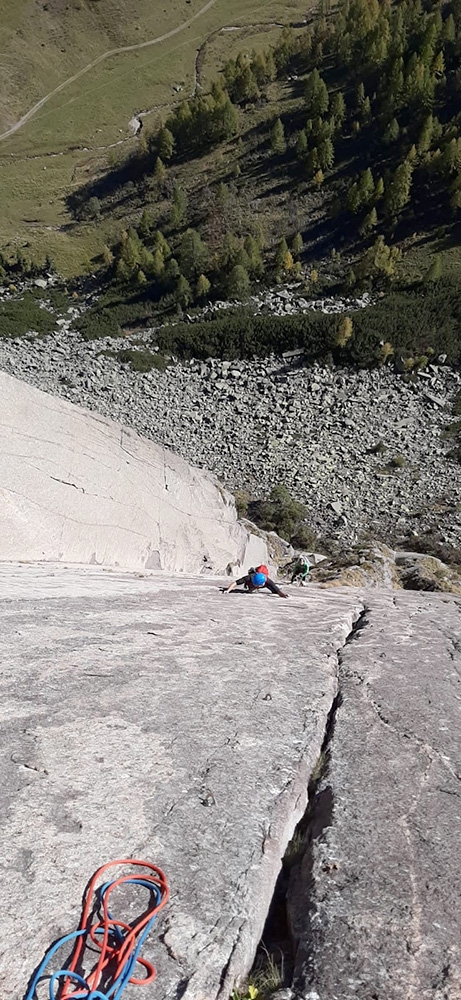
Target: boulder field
(366, 451)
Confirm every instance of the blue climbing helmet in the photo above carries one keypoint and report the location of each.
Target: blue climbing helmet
(259, 580)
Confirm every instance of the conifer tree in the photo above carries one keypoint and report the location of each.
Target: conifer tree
(316, 95)
(449, 29)
(183, 294)
(159, 174)
(396, 83)
(285, 49)
(179, 206)
(229, 251)
(398, 192)
(160, 243)
(278, 142)
(123, 272)
(451, 157)
(297, 244)
(130, 253)
(425, 136)
(438, 67)
(238, 282)
(280, 254)
(370, 222)
(158, 263)
(379, 261)
(146, 261)
(254, 258)
(288, 262)
(326, 154)
(365, 112)
(353, 201)
(166, 144)
(301, 145)
(172, 270)
(392, 132)
(146, 222)
(193, 254)
(246, 87)
(260, 69)
(312, 162)
(338, 109)
(203, 287)
(366, 187)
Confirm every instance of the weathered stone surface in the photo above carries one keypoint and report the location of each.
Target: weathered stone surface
(375, 907)
(78, 487)
(159, 719)
(375, 565)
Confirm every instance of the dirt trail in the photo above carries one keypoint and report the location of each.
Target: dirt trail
(105, 55)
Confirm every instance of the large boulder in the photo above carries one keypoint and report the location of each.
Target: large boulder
(76, 487)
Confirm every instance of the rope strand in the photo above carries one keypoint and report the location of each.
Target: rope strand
(119, 943)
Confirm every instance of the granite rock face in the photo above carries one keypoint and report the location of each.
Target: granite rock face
(76, 487)
(375, 903)
(158, 719)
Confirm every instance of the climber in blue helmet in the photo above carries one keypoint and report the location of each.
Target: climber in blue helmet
(256, 579)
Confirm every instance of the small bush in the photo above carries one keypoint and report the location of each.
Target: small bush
(19, 317)
(378, 449)
(141, 361)
(455, 453)
(304, 538)
(398, 462)
(279, 513)
(452, 430)
(96, 324)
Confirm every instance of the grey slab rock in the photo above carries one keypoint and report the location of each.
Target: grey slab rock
(77, 487)
(375, 906)
(160, 719)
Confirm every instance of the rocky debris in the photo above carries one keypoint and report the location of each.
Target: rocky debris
(376, 565)
(257, 424)
(423, 572)
(374, 904)
(289, 302)
(156, 718)
(82, 489)
(372, 565)
(135, 125)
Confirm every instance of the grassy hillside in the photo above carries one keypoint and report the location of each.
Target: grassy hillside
(328, 155)
(45, 43)
(78, 132)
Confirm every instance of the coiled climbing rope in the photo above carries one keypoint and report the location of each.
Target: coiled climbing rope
(119, 943)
